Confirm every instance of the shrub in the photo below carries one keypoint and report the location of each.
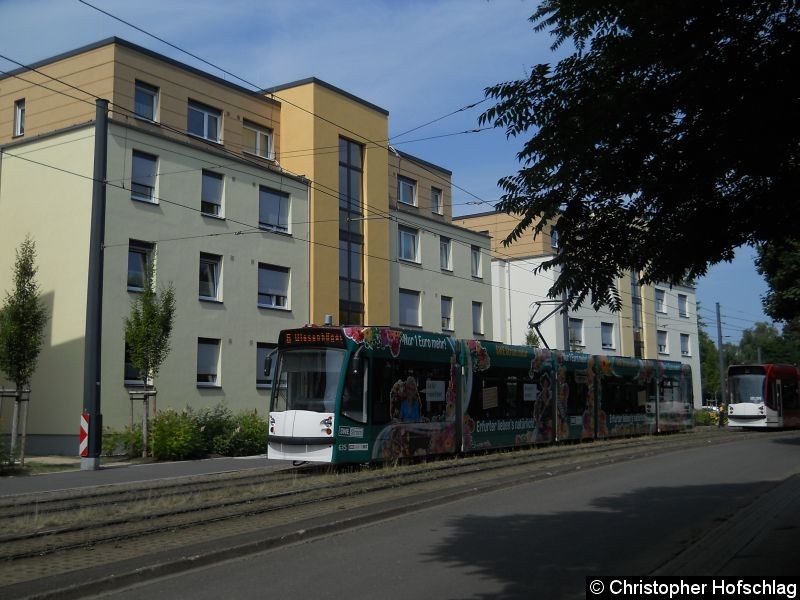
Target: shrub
(248, 436)
(127, 442)
(705, 417)
(176, 436)
(213, 423)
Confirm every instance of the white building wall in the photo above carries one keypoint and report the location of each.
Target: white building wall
(516, 291)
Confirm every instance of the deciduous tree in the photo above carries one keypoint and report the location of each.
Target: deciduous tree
(664, 140)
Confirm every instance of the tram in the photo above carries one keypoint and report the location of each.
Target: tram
(364, 394)
(764, 396)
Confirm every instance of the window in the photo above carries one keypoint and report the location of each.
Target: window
(406, 191)
(143, 177)
(445, 261)
(660, 304)
(204, 121)
(409, 308)
(210, 270)
(553, 237)
(262, 351)
(211, 195)
(145, 102)
(257, 140)
(273, 210)
(476, 261)
(140, 257)
(576, 332)
(447, 313)
(351, 233)
(685, 345)
(477, 318)
(436, 201)
(661, 340)
(207, 362)
(19, 117)
(273, 286)
(683, 305)
(607, 335)
(408, 243)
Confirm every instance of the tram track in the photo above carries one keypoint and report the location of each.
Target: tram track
(98, 517)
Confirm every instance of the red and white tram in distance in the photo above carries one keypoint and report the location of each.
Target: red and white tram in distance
(764, 396)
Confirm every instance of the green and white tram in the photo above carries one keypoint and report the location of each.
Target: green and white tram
(362, 394)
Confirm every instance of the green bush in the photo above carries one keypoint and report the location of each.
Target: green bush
(176, 436)
(706, 417)
(213, 423)
(127, 442)
(247, 437)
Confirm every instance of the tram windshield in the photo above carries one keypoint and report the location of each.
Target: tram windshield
(309, 379)
(747, 389)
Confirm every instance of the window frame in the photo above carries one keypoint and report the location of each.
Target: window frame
(480, 325)
(152, 198)
(683, 306)
(409, 183)
(476, 266)
(204, 201)
(607, 327)
(576, 324)
(438, 208)
(216, 260)
(688, 339)
(409, 294)
(153, 93)
(265, 193)
(404, 231)
(662, 348)
(661, 301)
(259, 130)
(446, 243)
(217, 379)
(450, 326)
(19, 117)
(206, 111)
(553, 238)
(145, 249)
(274, 304)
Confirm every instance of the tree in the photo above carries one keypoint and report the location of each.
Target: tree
(147, 333)
(709, 366)
(779, 263)
(661, 143)
(531, 339)
(23, 317)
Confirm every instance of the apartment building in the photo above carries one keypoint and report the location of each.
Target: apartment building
(192, 186)
(656, 321)
(264, 209)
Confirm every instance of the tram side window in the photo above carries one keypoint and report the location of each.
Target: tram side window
(791, 399)
(578, 392)
(354, 402)
(409, 391)
(497, 397)
(624, 397)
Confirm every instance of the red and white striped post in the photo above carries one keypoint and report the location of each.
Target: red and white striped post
(83, 441)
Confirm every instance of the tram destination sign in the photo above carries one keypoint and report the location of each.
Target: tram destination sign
(311, 337)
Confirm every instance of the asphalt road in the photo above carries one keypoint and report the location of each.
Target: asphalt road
(535, 540)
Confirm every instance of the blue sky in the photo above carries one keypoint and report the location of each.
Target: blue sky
(418, 59)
